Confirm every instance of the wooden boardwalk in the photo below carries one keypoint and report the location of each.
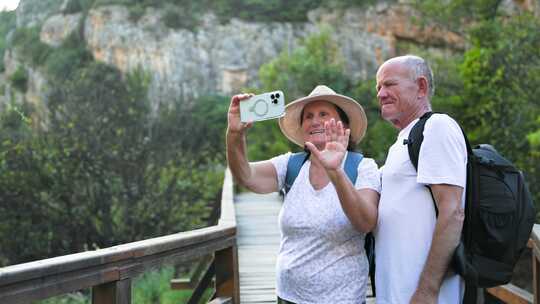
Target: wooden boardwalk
(258, 244)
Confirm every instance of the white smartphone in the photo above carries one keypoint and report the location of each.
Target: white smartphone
(262, 107)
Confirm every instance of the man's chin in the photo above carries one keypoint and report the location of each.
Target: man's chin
(387, 115)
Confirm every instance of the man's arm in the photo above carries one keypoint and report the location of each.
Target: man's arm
(259, 177)
(445, 240)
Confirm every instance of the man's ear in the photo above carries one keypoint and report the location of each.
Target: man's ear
(423, 88)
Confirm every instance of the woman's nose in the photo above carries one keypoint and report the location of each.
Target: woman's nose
(316, 121)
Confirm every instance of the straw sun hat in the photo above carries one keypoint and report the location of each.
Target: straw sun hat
(290, 123)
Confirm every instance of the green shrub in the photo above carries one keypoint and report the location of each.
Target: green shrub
(186, 13)
(136, 11)
(65, 60)
(317, 60)
(73, 6)
(106, 171)
(177, 17)
(19, 79)
(7, 23)
(27, 42)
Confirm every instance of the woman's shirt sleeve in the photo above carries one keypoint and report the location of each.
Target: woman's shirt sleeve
(280, 164)
(369, 176)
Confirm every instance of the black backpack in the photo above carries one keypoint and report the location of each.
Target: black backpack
(499, 215)
(352, 161)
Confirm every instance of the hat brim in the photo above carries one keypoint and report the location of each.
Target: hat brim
(290, 122)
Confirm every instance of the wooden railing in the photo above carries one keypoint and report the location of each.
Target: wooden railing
(109, 272)
(536, 262)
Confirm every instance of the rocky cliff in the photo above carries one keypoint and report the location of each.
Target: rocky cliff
(221, 57)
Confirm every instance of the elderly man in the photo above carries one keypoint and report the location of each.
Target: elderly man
(414, 244)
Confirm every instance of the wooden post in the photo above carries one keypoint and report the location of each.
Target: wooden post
(227, 277)
(117, 292)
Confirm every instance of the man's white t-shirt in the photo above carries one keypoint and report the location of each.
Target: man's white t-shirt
(321, 257)
(407, 217)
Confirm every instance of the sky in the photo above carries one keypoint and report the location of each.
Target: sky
(8, 4)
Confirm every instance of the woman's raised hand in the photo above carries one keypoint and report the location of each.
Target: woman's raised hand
(337, 139)
(233, 116)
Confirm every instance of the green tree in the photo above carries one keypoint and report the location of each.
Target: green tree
(501, 75)
(493, 92)
(7, 23)
(107, 169)
(317, 60)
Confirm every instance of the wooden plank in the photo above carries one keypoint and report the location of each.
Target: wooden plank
(221, 300)
(258, 244)
(37, 280)
(77, 261)
(511, 294)
(194, 275)
(203, 284)
(536, 274)
(117, 292)
(228, 215)
(63, 282)
(181, 284)
(227, 276)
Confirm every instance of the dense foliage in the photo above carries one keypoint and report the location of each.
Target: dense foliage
(317, 60)
(187, 14)
(107, 169)
(7, 23)
(492, 89)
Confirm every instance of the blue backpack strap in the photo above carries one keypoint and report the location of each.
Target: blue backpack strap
(298, 159)
(351, 165)
(294, 165)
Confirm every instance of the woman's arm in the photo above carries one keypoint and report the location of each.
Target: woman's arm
(259, 177)
(360, 206)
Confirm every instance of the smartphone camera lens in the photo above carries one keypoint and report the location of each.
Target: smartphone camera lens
(272, 96)
(277, 95)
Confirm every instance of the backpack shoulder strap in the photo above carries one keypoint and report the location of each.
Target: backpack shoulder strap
(351, 165)
(416, 137)
(296, 160)
(414, 142)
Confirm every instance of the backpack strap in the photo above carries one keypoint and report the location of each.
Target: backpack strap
(294, 165)
(414, 142)
(297, 160)
(352, 162)
(351, 165)
(416, 137)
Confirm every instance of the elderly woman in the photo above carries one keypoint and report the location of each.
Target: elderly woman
(324, 217)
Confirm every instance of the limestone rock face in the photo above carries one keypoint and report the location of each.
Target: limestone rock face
(185, 64)
(221, 58)
(58, 27)
(36, 92)
(216, 58)
(34, 12)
